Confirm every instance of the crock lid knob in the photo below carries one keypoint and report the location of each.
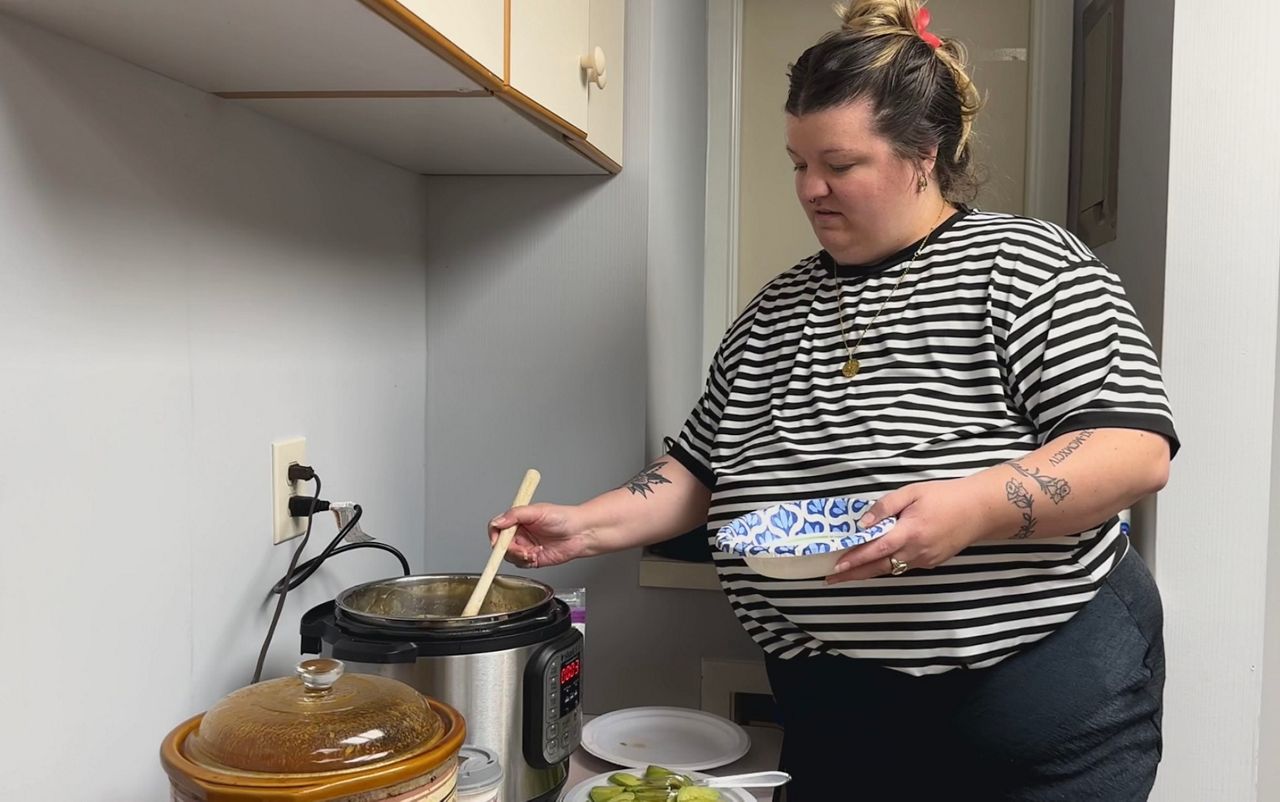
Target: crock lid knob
(319, 674)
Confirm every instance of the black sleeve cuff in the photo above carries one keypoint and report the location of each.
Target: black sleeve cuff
(1104, 419)
(681, 455)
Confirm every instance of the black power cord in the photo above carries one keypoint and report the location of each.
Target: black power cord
(296, 472)
(303, 572)
(299, 506)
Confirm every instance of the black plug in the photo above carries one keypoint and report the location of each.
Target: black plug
(301, 473)
(300, 506)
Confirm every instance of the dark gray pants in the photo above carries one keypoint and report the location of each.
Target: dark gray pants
(1074, 717)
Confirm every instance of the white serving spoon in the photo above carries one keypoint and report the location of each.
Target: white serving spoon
(756, 779)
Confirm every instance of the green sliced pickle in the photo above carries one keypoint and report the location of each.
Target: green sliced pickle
(626, 780)
(660, 776)
(655, 774)
(659, 784)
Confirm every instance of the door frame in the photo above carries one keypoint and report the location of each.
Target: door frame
(1048, 143)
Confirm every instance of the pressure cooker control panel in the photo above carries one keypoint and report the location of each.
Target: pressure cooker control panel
(552, 701)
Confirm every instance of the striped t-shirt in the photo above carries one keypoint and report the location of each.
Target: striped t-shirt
(1005, 333)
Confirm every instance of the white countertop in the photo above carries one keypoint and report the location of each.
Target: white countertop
(766, 743)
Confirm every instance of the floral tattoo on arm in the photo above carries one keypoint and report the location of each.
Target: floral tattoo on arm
(643, 483)
(1055, 489)
(1020, 498)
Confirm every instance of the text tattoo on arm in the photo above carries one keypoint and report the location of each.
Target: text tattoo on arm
(1070, 447)
(643, 483)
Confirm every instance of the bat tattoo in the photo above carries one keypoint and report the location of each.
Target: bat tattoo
(643, 483)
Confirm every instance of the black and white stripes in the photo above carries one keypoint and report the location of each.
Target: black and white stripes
(1005, 333)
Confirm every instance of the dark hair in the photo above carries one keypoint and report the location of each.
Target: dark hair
(920, 95)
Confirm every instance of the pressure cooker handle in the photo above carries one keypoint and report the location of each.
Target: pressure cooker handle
(354, 650)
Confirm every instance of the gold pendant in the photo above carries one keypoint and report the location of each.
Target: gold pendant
(851, 368)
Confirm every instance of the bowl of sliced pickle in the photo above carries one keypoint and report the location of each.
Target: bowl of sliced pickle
(652, 784)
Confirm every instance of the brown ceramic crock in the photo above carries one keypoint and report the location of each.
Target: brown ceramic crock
(320, 736)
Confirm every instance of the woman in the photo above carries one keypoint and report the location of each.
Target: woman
(984, 378)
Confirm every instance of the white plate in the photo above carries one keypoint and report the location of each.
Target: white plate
(581, 791)
(676, 738)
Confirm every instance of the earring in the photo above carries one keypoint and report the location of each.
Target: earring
(922, 183)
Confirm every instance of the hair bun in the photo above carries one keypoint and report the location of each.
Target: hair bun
(881, 16)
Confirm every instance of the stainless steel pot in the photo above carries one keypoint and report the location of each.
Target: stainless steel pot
(514, 671)
(435, 601)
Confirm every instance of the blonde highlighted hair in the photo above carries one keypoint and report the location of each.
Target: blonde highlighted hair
(922, 96)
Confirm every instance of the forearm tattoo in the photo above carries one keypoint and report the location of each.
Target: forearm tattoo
(1069, 448)
(1055, 489)
(643, 483)
(1020, 498)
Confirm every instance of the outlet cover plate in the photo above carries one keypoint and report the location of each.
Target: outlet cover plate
(283, 454)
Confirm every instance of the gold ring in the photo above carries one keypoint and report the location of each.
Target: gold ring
(897, 567)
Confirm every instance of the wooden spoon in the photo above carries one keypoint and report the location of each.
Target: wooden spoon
(500, 546)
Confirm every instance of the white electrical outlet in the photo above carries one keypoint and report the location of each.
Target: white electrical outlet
(283, 454)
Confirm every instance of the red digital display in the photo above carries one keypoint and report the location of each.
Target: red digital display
(570, 670)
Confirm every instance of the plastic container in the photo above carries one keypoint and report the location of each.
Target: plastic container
(479, 775)
(576, 598)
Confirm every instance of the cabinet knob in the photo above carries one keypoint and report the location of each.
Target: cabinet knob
(594, 63)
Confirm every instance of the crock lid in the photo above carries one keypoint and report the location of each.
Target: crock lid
(318, 721)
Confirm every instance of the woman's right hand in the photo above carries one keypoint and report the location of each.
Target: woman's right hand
(548, 534)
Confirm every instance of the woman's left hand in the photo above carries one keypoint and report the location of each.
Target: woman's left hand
(936, 520)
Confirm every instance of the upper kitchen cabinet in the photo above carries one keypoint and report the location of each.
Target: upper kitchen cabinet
(476, 27)
(424, 84)
(566, 57)
(604, 98)
(549, 38)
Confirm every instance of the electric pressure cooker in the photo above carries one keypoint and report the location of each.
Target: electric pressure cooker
(514, 671)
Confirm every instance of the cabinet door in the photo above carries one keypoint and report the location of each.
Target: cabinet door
(604, 106)
(477, 27)
(548, 37)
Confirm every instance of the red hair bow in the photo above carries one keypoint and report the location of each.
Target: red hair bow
(922, 24)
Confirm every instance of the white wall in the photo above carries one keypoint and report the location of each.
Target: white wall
(677, 166)
(542, 354)
(181, 282)
(1269, 725)
(1220, 335)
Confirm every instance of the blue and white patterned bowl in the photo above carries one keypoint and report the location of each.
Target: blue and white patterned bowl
(799, 539)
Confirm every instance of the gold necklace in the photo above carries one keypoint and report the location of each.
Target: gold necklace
(852, 366)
